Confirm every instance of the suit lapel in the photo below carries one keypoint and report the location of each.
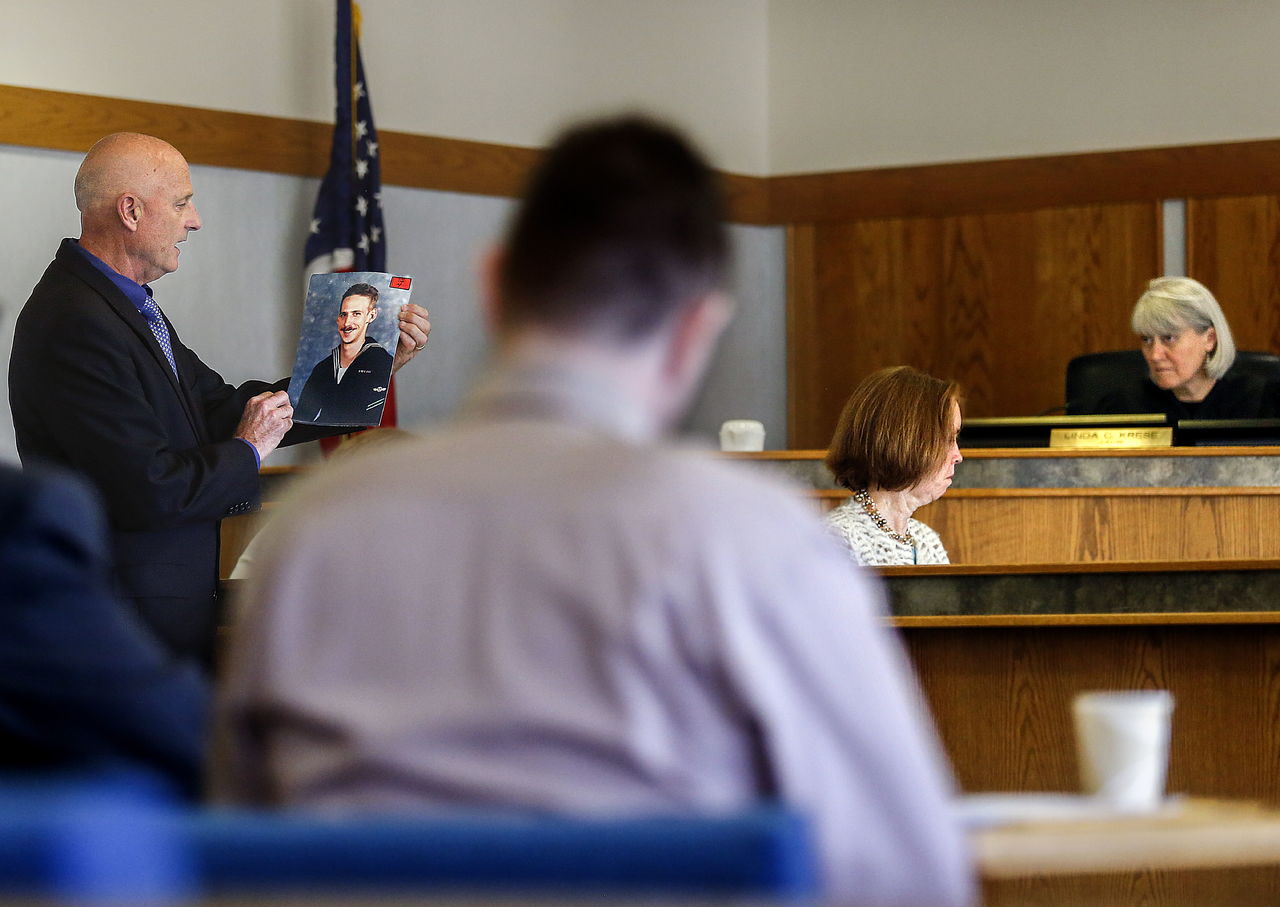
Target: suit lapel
(137, 324)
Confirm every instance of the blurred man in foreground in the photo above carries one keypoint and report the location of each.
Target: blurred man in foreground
(82, 684)
(543, 608)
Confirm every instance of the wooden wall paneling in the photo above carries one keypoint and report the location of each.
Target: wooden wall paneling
(920, 262)
(1233, 248)
(1267, 697)
(876, 298)
(856, 321)
(829, 334)
(1053, 282)
(986, 259)
(1094, 263)
(1028, 183)
(1001, 700)
(889, 290)
(1001, 302)
(750, 198)
(867, 304)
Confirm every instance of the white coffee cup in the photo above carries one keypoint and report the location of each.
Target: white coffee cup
(742, 434)
(1122, 739)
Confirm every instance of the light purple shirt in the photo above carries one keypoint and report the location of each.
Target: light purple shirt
(540, 608)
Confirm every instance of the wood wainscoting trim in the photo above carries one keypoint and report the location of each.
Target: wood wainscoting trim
(66, 121)
(63, 121)
(1029, 183)
(1076, 567)
(1135, 619)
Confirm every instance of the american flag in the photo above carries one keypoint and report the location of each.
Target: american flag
(346, 232)
(346, 226)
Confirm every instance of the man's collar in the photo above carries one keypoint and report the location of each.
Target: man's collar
(368, 342)
(136, 293)
(558, 392)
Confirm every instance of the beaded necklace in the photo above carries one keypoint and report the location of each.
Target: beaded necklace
(869, 508)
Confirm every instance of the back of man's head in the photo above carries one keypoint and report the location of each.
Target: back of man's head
(622, 224)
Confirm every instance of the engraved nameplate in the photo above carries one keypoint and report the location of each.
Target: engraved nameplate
(1111, 438)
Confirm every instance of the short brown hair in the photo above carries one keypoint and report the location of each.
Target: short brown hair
(622, 223)
(895, 429)
(362, 289)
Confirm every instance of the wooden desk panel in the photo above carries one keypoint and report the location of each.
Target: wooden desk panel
(1040, 525)
(1001, 698)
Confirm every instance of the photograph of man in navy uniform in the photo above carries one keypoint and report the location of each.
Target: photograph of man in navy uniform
(349, 386)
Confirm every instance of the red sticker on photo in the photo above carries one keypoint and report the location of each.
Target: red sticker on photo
(401, 283)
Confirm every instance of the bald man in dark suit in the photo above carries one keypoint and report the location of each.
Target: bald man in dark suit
(101, 383)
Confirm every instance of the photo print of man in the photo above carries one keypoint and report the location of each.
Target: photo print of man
(341, 375)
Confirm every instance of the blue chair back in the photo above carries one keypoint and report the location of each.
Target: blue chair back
(121, 838)
(105, 837)
(763, 852)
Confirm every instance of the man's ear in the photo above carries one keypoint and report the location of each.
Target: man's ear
(695, 335)
(489, 267)
(129, 210)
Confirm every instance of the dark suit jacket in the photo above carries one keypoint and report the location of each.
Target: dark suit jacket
(90, 389)
(82, 683)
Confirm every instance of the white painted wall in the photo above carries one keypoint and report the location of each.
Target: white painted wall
(766, 86)
(507, 71)
(872, 83)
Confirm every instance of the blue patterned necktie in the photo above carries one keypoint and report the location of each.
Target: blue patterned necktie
(155, 321)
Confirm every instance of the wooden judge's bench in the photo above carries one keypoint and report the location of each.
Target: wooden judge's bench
(1041, 505)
